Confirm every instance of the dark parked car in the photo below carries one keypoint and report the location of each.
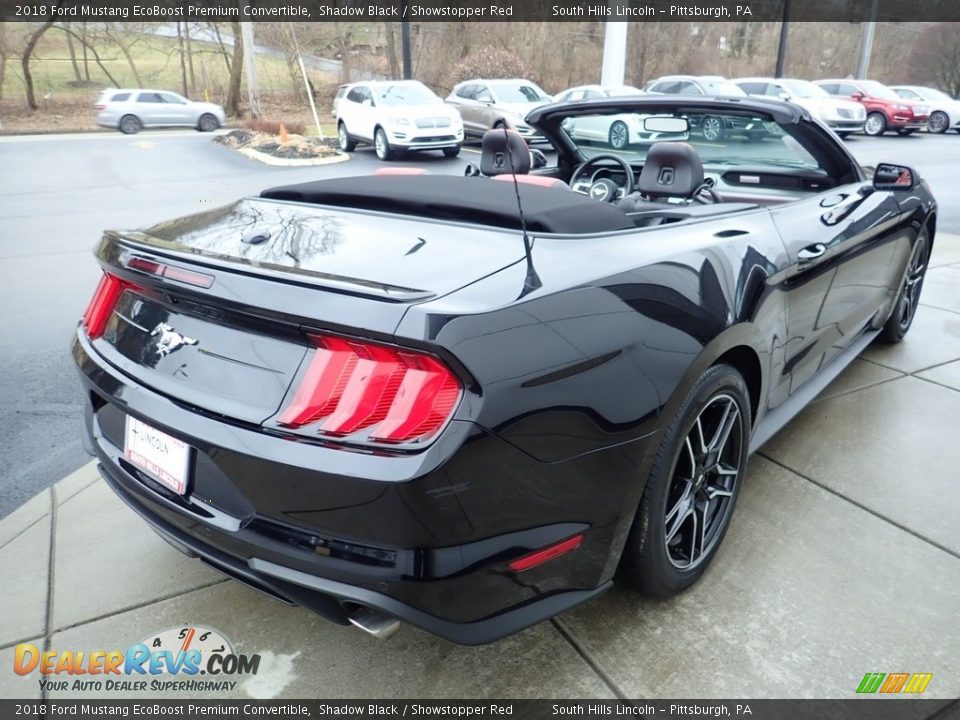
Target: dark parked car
(420, 398)
(711, 127)
(885, 109)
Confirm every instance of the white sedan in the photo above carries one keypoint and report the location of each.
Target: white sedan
(944, 110)
(617, 131)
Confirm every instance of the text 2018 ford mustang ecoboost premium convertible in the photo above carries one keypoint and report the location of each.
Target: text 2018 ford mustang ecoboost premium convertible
(470, 403)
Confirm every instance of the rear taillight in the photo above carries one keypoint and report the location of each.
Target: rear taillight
(368, 392)
(101, 306)
(99, 106)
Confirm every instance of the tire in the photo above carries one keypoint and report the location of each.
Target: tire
(451, 152)
(347, 144)
(619, 135)
(658, 561)
(905, 307)
(939, 122)
(130, 125)
(381, 145)
(207, 123)
(876, 124)
(905, 132)
(711, 127)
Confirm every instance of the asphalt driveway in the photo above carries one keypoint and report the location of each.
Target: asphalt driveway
(843, 557)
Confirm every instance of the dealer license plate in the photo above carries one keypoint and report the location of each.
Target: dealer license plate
(162, 457)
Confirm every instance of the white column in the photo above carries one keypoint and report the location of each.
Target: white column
(614, 53)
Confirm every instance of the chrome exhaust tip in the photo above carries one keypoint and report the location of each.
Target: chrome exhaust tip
(374, 622)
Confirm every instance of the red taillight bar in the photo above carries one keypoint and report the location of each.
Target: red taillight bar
(170, 272)
(352, 386)
(101, 306)
(546, 554)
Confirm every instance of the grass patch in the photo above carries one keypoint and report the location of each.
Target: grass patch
(157, 60)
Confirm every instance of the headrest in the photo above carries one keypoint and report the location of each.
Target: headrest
(671, 169)
(499, 148)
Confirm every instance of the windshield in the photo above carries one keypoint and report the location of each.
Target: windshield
(722, 87)
(878, 90)
(520, 93)
(804, 89)
(405, 94)
(728, 139)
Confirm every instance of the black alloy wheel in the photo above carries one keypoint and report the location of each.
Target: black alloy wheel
(692, 488)
(908, 299)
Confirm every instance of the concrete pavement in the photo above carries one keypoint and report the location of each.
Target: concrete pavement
(843, 558)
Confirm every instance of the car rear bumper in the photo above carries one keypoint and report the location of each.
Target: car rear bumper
(430, 547)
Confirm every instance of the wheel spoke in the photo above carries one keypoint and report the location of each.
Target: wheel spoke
(729, 419)
(676, 508)
(714, 491)
(724, 469)
(693, 539)
(703, 443)
(678, 524)
(690, 454)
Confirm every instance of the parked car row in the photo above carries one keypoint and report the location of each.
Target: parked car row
(405, 115)
(844, 105)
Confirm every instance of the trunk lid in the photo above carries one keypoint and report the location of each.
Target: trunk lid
(233, 343)
(383, 256)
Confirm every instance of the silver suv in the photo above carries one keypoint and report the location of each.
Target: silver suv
(133, 110)
(485, 104)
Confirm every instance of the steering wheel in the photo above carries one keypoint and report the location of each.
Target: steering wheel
(604, 189)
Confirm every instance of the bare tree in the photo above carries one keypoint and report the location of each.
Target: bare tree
(32, 41)
(89, 45)
(120, 35)
(236, 72)
(4, 50)
(936, 57)
(392, 51)
(73, 56)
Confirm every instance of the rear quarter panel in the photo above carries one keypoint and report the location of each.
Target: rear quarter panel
(621, 326)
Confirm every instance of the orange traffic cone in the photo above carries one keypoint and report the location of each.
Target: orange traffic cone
(284, 135)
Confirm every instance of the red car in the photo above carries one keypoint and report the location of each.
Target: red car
(885, 109)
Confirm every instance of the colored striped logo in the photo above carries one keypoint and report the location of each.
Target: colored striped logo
(892, 683)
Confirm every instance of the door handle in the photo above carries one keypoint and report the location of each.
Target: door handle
(811, 252)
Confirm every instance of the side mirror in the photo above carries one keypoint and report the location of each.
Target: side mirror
(858, 96)
(784, 96)
(368, 103)
(894, 177)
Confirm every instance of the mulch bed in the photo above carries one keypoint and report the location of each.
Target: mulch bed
(297, 147)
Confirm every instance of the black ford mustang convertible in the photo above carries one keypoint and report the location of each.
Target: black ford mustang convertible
(470, 403)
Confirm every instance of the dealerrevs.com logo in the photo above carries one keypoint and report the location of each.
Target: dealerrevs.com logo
(172, 660)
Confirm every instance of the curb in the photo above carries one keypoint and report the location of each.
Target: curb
(291, 162)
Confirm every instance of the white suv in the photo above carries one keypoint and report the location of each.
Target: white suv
(396, 116)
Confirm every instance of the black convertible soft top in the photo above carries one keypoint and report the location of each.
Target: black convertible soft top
(465, 199)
